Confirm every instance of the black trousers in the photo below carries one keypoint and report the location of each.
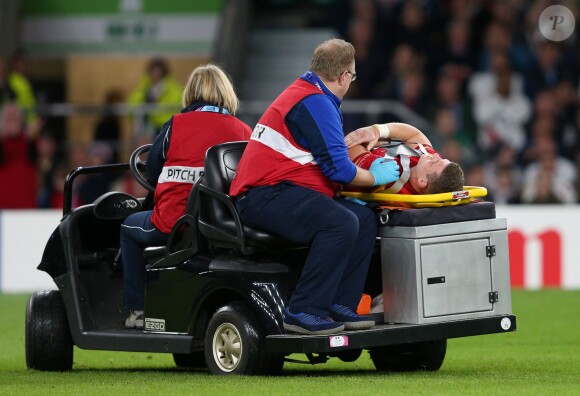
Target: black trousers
(341, 234)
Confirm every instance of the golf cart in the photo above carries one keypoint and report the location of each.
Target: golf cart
(216, 291)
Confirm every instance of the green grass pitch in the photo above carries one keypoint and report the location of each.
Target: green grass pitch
(541, 358)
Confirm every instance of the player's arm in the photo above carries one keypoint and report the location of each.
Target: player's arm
(369, 136)
(356, 151)
(315, 124)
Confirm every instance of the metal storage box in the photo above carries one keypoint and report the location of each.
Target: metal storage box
(444, 272)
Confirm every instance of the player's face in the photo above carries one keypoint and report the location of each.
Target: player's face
(432, 164)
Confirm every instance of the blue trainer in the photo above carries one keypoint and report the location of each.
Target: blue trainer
(351, 320)
(305, 323)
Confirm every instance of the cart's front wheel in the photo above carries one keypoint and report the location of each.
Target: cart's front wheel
(428, 356)
(48, 342)
(234, 343)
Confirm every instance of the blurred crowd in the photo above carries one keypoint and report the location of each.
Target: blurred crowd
(502, 100)
(35, 159)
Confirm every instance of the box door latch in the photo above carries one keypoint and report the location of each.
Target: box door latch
(493, 297)
(490, 250)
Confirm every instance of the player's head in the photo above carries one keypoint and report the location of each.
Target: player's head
(434, 175)
(450, 179)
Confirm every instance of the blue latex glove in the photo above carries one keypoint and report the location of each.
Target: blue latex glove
(384, 171)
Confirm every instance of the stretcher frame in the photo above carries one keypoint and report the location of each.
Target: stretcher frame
(467, 195)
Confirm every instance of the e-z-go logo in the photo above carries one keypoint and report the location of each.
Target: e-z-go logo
(557, 23)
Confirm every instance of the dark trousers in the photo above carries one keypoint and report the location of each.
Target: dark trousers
(341, 234)
(137, 233)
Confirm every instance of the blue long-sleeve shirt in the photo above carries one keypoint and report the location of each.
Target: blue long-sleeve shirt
(316, 124)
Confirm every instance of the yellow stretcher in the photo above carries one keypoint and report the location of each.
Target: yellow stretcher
(468, 194)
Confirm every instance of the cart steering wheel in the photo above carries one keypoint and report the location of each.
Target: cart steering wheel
(139, 168)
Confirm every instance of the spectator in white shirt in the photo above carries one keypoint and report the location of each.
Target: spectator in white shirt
(502, 112)
(550, 179)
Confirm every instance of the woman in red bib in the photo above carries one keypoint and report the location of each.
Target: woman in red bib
(175, 162)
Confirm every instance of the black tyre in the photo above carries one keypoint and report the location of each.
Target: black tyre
(48, 342)
(193, 360)
(234, 343)
(427, 356)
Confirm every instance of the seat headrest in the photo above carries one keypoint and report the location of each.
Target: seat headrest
(221, 164)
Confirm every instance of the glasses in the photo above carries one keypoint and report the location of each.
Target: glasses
(353, 75)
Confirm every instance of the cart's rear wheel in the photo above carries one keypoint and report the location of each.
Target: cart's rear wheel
(193, 360)
(428, 356)
(234, 343)
(48, 342)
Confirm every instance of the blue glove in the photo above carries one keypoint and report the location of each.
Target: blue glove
(384, 171)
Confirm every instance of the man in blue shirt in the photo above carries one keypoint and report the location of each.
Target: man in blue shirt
(287, 183)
